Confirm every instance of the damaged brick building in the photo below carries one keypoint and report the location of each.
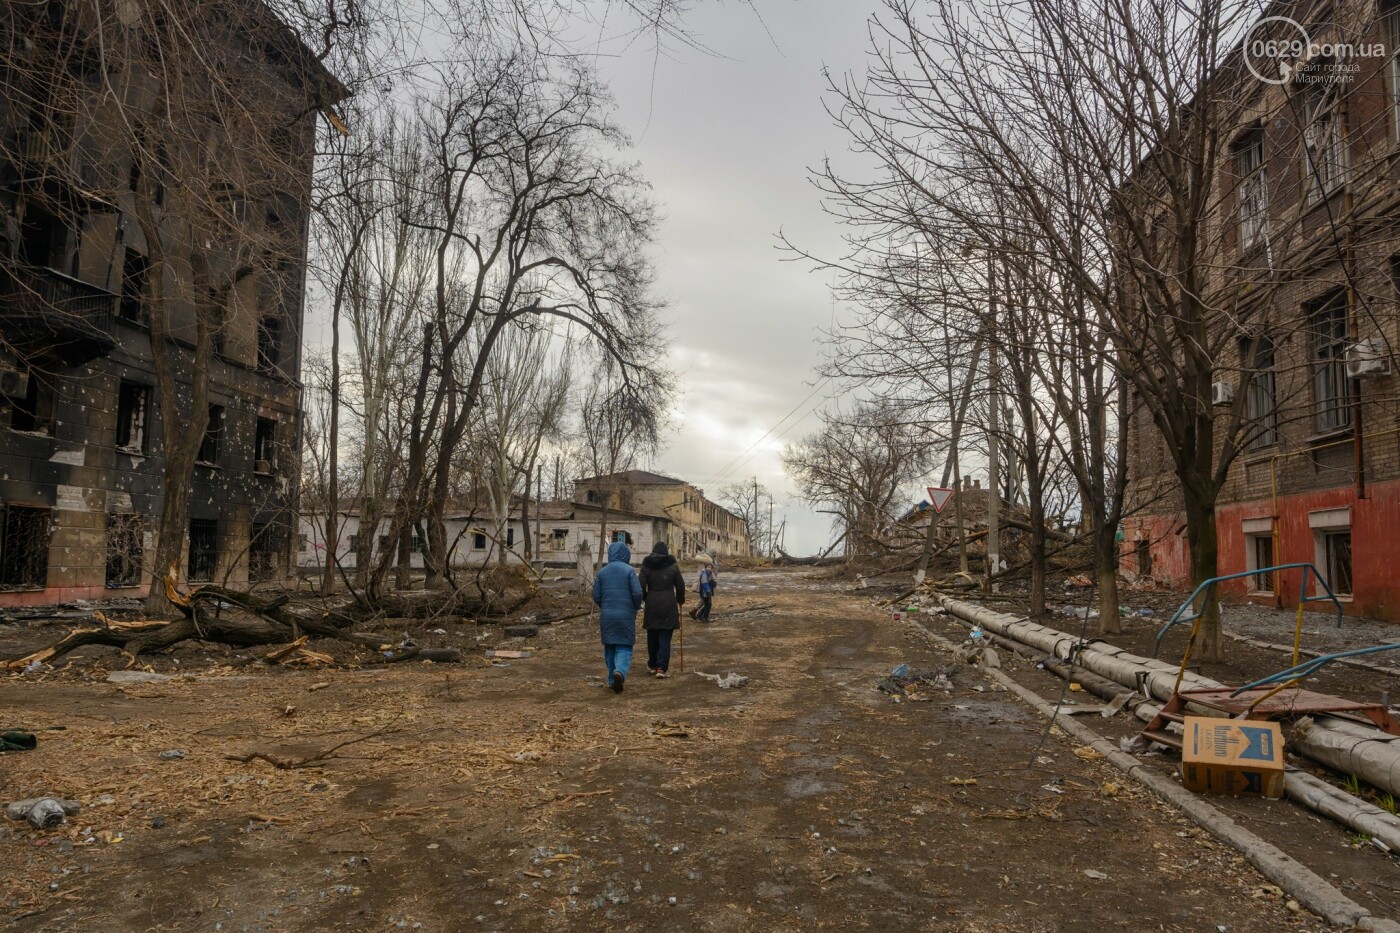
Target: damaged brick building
(1309, 224)
(111, 208)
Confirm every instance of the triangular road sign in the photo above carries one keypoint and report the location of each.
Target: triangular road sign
(939, 497)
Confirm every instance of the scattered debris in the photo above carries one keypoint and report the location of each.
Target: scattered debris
(727, 681)
(1096, 875)
(281, 654)
(173, 754)
(1116, 705)
(316, 760)
(1133, 744)
(138, 677)
(504, 653)
(17, 740)
(411, 652)
(903, 682)
(668, 730)
(962, 782)
(521, 631)
(43, 812)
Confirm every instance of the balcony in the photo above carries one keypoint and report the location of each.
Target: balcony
(47, 312)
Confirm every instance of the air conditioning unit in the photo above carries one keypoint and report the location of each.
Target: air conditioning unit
(14, 384)
(1367, 358)
(1222, 393)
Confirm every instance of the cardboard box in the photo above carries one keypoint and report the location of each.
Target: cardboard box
(1237, 757)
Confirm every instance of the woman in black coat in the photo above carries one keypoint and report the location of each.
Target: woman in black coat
(663, 594)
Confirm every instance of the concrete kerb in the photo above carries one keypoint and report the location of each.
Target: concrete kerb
(1304, 652)
(1309, 888)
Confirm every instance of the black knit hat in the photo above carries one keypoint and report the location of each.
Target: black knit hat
(660, 548)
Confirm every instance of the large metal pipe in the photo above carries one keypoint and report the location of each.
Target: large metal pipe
(1314, 793)
(1350, 748)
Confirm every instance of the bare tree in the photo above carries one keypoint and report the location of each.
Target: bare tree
(1079, 142)
(530, 219)
(620, 425)
(859, 465)
(523, 402)
(752, 502)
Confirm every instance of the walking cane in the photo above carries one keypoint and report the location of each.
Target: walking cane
(680, 649)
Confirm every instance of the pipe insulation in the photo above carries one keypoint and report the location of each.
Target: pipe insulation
(1346, 747)
(1312, 792)
(1315, 892)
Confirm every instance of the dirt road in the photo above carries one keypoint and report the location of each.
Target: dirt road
(525, 796)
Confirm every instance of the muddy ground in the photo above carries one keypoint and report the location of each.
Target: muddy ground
(522, 795)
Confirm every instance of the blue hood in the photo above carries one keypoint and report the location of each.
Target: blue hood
(618, 551)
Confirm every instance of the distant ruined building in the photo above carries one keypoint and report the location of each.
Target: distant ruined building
(695, 523)
(642, 509)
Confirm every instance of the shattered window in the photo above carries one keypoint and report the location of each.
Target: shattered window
(269, 344)
(133, 405)
(265, 446)
(1331, 392)
(24, 547)
(204, 550)
(124, 549)
(32, 408)
(1338, 557)
(136, 288)
(209, 447)
(264, 552)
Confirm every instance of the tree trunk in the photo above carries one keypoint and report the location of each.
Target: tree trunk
(333, 459)
(1201, 534)
(525, 515)
(602, 557)
(1106, 572)
(403, 576)
(180, 443)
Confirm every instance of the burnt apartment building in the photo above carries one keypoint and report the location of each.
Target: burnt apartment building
(1309, 268)
(155, 167)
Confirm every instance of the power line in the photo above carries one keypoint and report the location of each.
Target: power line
(730, 466)
(747, 459)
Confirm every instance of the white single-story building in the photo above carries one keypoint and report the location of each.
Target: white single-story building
(563, 527)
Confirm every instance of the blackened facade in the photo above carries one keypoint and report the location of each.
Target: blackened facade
(100, 155)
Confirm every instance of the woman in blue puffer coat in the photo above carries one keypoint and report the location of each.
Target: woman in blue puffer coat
(618, 594)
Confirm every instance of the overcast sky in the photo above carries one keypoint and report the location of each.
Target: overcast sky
(726, 139)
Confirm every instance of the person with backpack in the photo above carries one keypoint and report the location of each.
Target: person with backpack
(618, 595)
(706, 588)
(663, 589)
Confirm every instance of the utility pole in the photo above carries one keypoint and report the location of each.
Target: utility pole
(770, 527)
(756, 536)
(993, 430)
(539, 494)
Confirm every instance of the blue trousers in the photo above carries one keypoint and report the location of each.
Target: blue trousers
(618, 658)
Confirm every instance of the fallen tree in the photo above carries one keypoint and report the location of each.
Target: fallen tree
(244, 620)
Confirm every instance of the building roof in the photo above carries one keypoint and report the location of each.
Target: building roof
(638, 478)
(618, 513)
